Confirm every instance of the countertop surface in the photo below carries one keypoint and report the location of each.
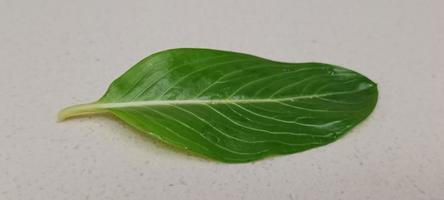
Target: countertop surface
(58, 53)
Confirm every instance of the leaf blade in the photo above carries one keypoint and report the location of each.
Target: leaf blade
(235, 107)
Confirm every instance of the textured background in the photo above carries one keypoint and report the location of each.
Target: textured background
(56, 53)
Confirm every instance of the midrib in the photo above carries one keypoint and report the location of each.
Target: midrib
(211, 102)
(98, 107)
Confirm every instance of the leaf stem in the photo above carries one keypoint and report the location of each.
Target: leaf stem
(82, 109)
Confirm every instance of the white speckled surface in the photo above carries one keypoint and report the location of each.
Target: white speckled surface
(56, 53)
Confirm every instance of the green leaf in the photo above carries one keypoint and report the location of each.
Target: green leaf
(235, 107)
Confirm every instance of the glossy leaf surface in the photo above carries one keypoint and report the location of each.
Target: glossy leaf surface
(235, 107)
